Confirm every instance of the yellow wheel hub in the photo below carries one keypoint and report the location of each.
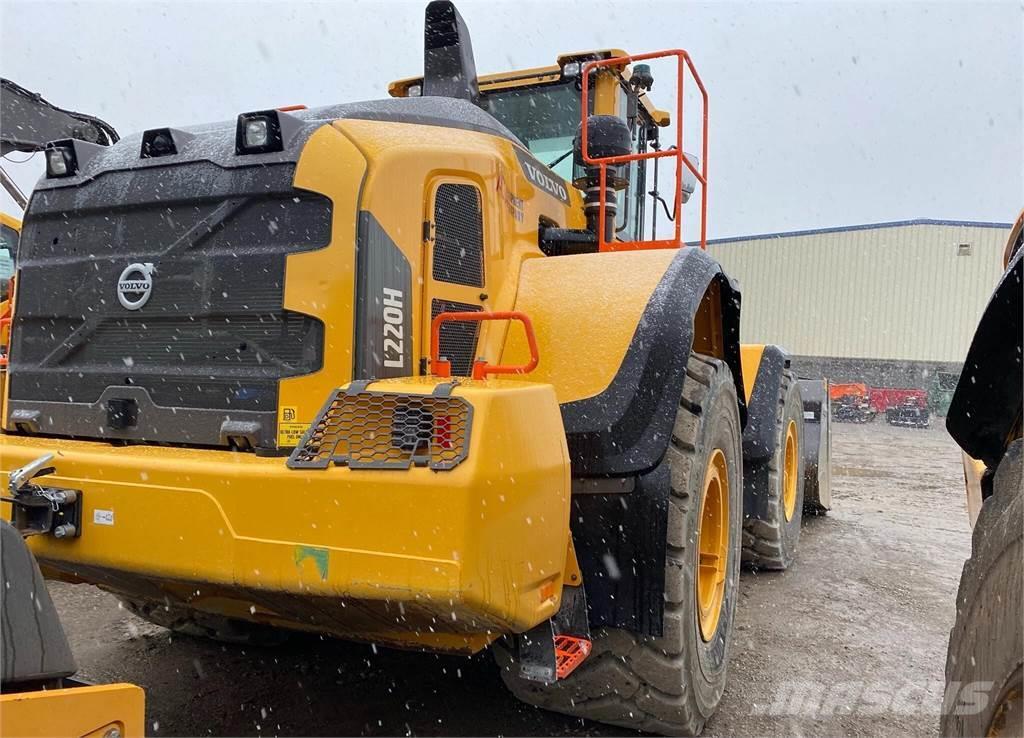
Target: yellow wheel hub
(790, 470)
(712, 545)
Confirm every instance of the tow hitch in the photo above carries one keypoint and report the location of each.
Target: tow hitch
(38, 510)
(552, 650)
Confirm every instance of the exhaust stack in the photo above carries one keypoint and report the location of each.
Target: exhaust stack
(448, 66)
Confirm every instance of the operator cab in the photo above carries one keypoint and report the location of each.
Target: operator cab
(541, 107)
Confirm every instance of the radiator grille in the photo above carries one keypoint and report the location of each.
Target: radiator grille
(383, 430)
(458, 235)
(214, 334)
(458, 339)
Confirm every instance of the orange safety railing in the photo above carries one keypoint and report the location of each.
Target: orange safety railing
(443, 368)
(676, 153)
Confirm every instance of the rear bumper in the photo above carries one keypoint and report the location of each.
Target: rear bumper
(446, 560)
(76, 712)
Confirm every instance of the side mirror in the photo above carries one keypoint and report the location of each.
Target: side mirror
(607, 136)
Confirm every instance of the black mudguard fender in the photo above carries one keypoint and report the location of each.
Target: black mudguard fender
(987, 402)
(625, 429)
(817, 449)
(617, 442)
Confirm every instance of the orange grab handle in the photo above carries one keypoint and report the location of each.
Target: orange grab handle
(443, 368)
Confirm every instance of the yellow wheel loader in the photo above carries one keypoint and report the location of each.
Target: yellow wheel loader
(420, 371)
(985, 660)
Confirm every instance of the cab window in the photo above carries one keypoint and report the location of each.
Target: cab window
(544, 118)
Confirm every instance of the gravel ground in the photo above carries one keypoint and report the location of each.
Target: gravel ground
(850, 641)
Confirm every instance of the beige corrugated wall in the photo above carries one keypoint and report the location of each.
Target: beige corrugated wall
(901, 292)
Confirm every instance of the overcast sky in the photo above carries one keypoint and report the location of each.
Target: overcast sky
(822, 114)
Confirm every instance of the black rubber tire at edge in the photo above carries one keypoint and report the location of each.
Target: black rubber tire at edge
(986, 643)
(771, 542)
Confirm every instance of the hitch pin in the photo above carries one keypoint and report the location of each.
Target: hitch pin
(57, 498)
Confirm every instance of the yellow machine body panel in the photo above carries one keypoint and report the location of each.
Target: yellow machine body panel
(321, 283)
(74, 712)
(408, 163)
(392, 171)
(750, 359)
(585, 310)
(408, 557)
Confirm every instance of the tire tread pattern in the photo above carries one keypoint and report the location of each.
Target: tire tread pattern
(764, 544)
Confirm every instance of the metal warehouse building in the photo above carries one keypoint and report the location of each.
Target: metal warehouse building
(899, 299)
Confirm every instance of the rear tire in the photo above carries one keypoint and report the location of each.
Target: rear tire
(770, 542)
(195, 624)
(986, 643)
(672, 684)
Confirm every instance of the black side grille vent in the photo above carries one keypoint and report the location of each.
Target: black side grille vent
(458, 339)
(458, 235)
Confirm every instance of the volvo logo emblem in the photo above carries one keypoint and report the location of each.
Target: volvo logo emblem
(135, 285)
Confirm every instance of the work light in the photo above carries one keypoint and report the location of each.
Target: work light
(258, 133)
(60, 161)
(67, 157)
(162, 142)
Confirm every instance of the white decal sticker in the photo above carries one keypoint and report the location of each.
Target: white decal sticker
(394, 320)
(103, 517)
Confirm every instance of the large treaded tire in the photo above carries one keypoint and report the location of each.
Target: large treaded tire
(986, 644)
(672, 684)
(770, 542)
(197, 624)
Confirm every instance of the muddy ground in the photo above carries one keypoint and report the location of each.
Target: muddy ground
(851, 641)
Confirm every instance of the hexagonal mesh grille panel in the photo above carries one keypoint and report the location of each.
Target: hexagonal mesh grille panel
(383, 430)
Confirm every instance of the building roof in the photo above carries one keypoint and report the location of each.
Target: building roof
(863, 227)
